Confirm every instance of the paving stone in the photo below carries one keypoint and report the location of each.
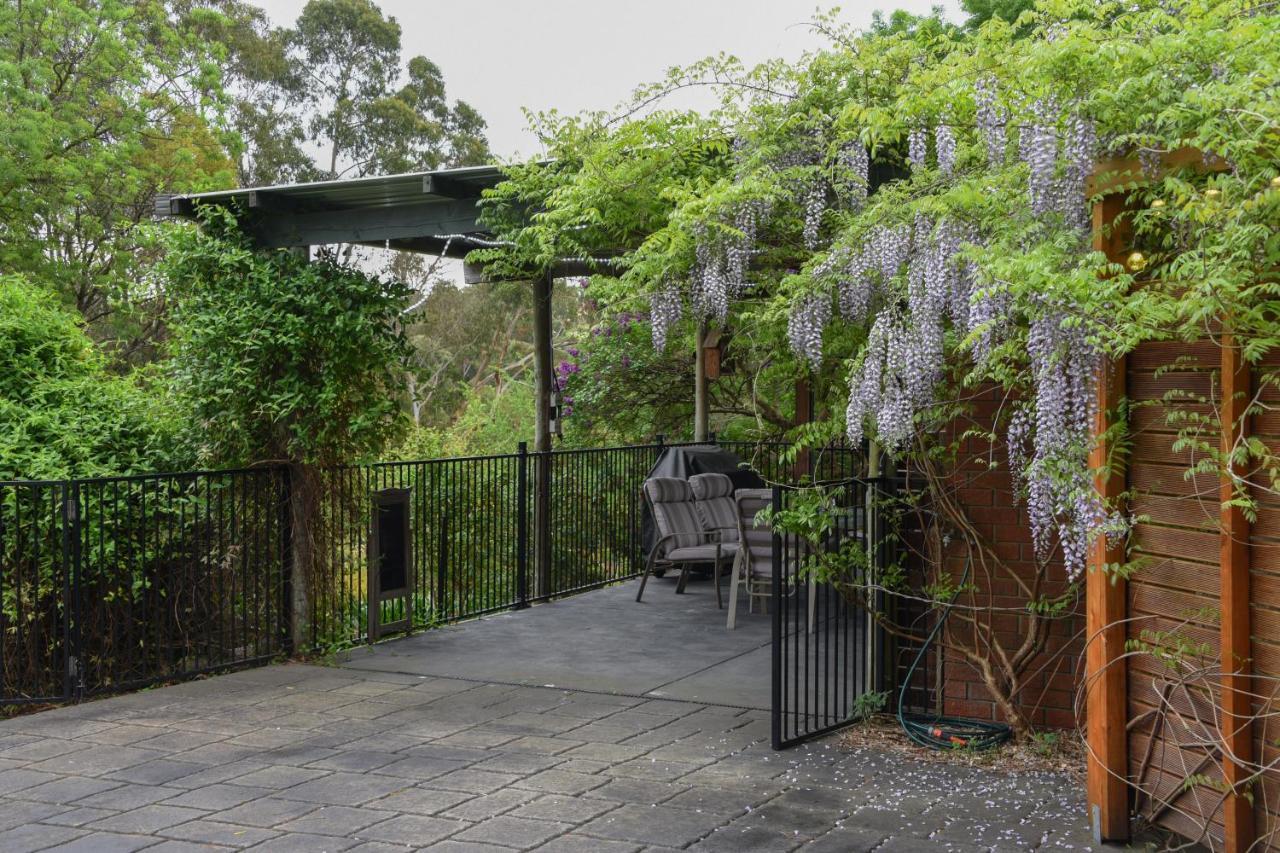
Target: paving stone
(147, 819)
(573, 843)
(335, 820)
(34, 836)
(298, 842)
(213, 832)
(65, 790)
(278, 777)
(265, 812)
(725, 801)
(95, 760)
(650, 768)
(42, 749)
(344, 789)
(169, 845)
(567, 809)
(847, 839)
(643, 824)
(640, 791)
(216, 797)
(519, 763)
(78, 816)
(422, 767)
(161, 771)
(412, 829)
(212, 775)
(129, 797)
(558, 781)
(378, 847)
(513, 831)
(15, 813)
(541, 745)
(478, 737)
(420, 800)
(358, 760)
(105, 842)
(753, 839)
(451, 846)
(475, 781)
(24, 779)
(490, 805)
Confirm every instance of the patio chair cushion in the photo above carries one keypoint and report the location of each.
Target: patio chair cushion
(674, 512)
(713, 495)
(757, 536)
(702, 553)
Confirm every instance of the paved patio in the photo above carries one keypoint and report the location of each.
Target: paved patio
(440, 743)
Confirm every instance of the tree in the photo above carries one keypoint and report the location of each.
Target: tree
(279, 358)
(283, 360)
(105, 105)
(367, 119)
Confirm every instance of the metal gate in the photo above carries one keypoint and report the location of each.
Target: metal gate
(827, 649)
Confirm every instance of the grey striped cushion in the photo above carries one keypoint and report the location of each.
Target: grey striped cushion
(759, 536)
(674, 512)
(714, 496)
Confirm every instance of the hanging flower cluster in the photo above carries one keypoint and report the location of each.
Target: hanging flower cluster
(917, 147)
(853, 174)
(815, 204)
(665, 310)
(903, 361)
(808, 318)
(991, 120)
(944, 143)
(1061, 499)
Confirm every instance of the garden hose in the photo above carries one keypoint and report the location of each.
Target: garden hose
(941, 732)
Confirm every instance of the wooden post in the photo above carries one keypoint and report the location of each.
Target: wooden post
(1237, 663)
(804, 415)
(701, 415)
(542, 358)
(1106, 678)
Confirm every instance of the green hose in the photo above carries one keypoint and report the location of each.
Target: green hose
(939, 732)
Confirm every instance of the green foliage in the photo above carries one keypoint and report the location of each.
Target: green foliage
(867, 705)
(63, 414)
(104, 105)
(281, 358)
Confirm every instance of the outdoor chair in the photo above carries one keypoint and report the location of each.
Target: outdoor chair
(682, 539)
(753, 564)
(713, 496)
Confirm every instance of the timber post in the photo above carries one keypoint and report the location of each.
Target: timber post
(1106, 594)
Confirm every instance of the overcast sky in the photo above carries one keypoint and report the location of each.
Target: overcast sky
(575, 55)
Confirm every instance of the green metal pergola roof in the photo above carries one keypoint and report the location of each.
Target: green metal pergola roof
(432, 212)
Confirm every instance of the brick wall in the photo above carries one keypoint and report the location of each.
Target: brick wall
(987, 496)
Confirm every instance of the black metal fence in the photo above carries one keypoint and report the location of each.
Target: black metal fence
(830, 658)
(119, 582)
(114, 583)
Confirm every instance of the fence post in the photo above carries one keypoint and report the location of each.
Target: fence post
(1106, 598)
(522, 528)
(1234, 567)
(542, 521)
(73, 675)
(442, 569)
(286, 559)
(776, 711)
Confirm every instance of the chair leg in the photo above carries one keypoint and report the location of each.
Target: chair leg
(715, 576)
(684, 578)
(648, 567)
(735, 583)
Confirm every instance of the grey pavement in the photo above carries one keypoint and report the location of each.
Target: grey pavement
(426, 743)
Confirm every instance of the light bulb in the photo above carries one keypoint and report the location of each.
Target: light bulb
(1136, 261)
(1213, 193)
(1156, 204)
(1275, 182)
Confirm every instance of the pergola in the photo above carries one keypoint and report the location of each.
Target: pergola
(434, 213)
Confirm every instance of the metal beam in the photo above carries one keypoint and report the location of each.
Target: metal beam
(373, 225)
(447, 187)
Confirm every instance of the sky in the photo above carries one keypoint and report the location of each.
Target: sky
(574, 55)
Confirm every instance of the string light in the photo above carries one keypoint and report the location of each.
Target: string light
(1137, 262)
